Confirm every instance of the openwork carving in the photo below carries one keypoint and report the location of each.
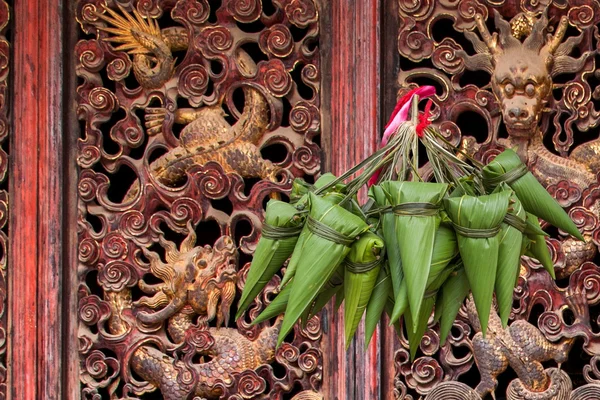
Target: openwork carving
(527, 80)
(193, 113)
(4, 138)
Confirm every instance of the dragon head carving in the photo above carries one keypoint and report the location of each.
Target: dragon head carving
(202, 278)
(522, 71)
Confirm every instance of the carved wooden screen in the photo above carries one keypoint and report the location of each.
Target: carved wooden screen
(439, 44)
(192, 114)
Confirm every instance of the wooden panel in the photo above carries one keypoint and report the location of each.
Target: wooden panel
(351, 93)
(35, 187)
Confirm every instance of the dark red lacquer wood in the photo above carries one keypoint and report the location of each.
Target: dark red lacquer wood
(351, 93)
(35, 189)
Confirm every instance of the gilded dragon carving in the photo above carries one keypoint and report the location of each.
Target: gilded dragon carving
(527, 60)
(171, 192)
(522, 347)
(198, 285)
(207, 136)
(522, 75)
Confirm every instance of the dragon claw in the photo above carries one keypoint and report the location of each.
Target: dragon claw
(155, 117)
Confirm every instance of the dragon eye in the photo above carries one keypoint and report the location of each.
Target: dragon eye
(509, 89)
(530, 90)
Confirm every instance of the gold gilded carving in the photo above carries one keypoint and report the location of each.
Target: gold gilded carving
(522, 347)
(207, 136)
(151, 47)
(192, 114)
(541, 99)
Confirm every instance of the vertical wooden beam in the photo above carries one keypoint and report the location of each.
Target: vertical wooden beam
(350, 46)
(36, 200)
(390, 63)
(23, 192)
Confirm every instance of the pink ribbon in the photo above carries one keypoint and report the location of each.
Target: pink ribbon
(400, 115)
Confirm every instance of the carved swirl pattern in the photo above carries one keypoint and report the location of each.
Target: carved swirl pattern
(430, 37)
(128, 214)
(4, 196)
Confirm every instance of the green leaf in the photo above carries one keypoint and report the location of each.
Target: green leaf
(415, 233)
(376, 305)
(362, 267)
(320, 257)
(270, 253)
(479, 254)
(451, 296)
(537, 247)
(444, 250)
(509, 257)
(276, 307)
(532, 194)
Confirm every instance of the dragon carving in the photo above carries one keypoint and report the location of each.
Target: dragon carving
(524, 348)
(522, 73)
(521, 79)
(198, 286)
(207, 136)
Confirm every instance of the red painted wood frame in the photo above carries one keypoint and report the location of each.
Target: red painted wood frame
(43, 360)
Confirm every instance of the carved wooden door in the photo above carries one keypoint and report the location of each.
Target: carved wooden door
(146, 138)
(147, 135)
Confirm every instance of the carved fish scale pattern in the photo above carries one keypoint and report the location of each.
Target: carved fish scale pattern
(192, 114)
(431, 39)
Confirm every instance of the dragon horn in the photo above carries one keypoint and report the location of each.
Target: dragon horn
(491, 40)
(556, 40)
(167, 312)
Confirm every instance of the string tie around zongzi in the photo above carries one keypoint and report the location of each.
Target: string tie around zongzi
(416, 209)
(278, 232)
(334, 282)
(328, 233)
(516, 222)
(507, 177)
(361, 268)
(476, 233)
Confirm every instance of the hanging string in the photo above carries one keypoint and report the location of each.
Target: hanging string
(424, 121)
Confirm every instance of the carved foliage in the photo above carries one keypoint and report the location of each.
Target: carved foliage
(164, 247)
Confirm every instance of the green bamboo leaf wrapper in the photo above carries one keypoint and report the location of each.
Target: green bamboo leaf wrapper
(450, 297)
(532, 194)
(276, 307)
(466, 186)
(300, 188)
(445, 248)
(331, 288)
(331, 198)
(272, 250)
(415, 231)
(416, 331)
(479, 254)
(379, 297)
(537, 247)
(320, 256)
(362, 267)
(388, 230)
(509, 254)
